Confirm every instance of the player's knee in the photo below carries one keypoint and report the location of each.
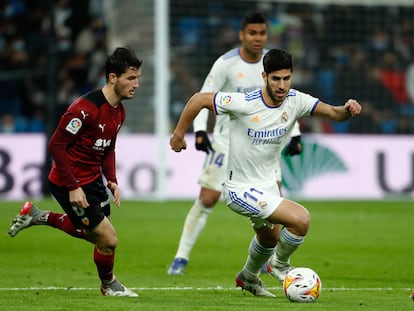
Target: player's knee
(209, 197)
(302, 223)
(113, 242)
(209, 200)
(208, 203)
(108, 244)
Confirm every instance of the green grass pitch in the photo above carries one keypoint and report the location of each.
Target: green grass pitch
(362, 250)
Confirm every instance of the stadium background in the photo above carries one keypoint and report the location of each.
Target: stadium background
(52, 51)
(360, 249)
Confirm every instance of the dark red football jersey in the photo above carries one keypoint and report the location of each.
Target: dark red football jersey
(83, 144)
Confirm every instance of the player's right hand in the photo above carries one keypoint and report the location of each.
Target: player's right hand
(77, 198)
(353, 107)
(202, 142)
(178, 143)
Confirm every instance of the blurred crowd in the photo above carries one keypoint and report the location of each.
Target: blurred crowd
(74, 41)
(340, 51)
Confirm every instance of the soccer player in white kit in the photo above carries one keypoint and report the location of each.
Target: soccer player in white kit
(238, 70)
(260, 123)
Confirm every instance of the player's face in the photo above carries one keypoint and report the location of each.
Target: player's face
(278, 84)
(253, 38)
(127, 83)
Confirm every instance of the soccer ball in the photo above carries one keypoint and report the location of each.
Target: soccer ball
(302, 285)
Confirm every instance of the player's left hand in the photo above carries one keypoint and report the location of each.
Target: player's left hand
(353, 107)
(294, 147)
(203, 142)
(115, 192)
(178, 143)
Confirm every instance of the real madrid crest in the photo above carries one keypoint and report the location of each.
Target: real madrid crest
(284, 117)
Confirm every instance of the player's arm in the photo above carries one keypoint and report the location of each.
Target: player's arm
(197, 102)
(57, 146)
(213, 83)
(108, 164)
(338, 113)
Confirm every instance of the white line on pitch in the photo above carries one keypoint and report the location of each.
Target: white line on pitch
(198, 288)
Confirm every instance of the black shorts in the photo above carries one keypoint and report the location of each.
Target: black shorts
(98, 200)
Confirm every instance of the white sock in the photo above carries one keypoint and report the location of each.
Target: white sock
(194, 223)
(258, 255)
(286, 246)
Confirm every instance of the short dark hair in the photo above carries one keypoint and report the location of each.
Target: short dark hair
(121, 60)
(277, 59)
(253, 18)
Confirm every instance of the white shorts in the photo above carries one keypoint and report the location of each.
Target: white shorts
(214, 169)
(253, 202)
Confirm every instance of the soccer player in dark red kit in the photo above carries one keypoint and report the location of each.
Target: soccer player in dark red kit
(83, 150)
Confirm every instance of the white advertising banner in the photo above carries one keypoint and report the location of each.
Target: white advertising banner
(351, 167)
(330, 167)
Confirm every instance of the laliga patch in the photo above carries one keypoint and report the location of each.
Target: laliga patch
(74, 125)
(226, 99)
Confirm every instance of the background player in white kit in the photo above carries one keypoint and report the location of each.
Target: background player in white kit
(260, 123)
(238, 70)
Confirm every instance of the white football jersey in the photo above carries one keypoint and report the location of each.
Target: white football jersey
(258, 133)
(230, 73)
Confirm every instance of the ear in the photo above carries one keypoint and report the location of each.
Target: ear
(241, 35)
(112, 78)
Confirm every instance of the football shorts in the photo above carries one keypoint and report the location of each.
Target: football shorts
(214, 170)
(254, 202)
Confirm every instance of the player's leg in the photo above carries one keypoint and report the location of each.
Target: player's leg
(295, 219)
(194, 223)
(257, 204)
(279, 186)
(100, 231)
(29, 215)
(258, 254)
(196, 220)
(94, 221)
(211, 179)
(105, 239)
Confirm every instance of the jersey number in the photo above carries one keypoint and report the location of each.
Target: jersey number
(216, 160)
(250, 194)
(79, 211)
